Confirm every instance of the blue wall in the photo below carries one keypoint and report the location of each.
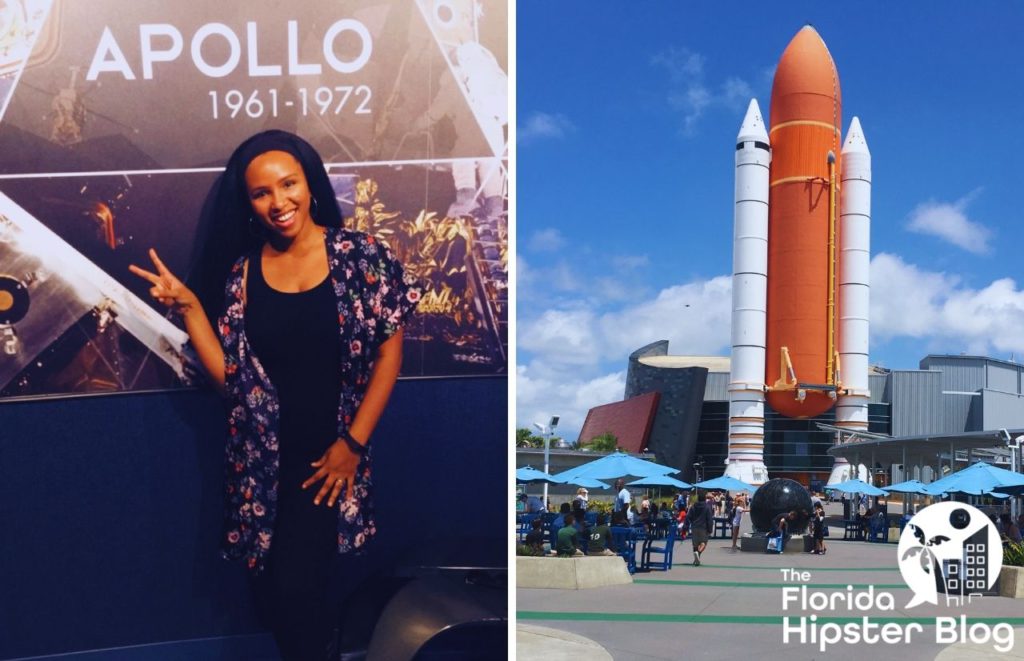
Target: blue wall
(110, 509)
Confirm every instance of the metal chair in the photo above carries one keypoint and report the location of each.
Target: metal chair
(878, 529)
(624, 540)
(665, 550)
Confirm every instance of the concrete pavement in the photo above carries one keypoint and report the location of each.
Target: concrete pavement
(731, 607)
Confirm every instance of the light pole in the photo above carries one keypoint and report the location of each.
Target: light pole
(546, 431)
(1015, 461)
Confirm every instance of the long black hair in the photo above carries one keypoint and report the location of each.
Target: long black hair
(226, 231)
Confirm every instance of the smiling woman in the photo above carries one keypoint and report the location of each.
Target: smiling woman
(306, 351)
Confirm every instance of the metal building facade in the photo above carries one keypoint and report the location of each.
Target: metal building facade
(917, 402)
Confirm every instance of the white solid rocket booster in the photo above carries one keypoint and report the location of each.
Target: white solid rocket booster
(854, 291)
(749, 302)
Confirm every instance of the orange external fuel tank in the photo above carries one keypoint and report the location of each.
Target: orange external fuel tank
(802, 330)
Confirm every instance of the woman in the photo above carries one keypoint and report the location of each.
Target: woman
(306, 351)
(737, 518)
(818, 529)
(582, 499)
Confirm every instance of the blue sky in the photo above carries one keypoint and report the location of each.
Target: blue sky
(627, 115)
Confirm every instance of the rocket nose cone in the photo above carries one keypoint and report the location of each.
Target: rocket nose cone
(806, 82)
(855, 140)
(753, 124)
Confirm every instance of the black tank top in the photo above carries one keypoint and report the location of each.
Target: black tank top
(295, 337)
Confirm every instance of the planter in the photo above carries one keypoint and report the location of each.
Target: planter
(591, 571)
(1011, 582)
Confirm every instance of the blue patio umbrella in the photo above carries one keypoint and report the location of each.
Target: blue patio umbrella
(858, 486)
(725, 483)
(660, 481)
(910, 486)
(587, 482)
(617, 464)
(530, 475)
(979, 479)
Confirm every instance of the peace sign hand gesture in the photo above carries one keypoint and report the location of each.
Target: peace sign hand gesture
(167, 288)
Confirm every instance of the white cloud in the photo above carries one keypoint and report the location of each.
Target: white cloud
(939, 309)
(549, 239)
(562, 337)
(694, 317)
(736, 92)
(691, 94)
(682, 65)
(950, 223)
(630, 262)
(552, 282)
(905, 299)
(575, 355)
(538, 397)
(544, 125)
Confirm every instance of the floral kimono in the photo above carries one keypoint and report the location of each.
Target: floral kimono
(373, 297)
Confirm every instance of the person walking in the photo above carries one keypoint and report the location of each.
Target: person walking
(701, 521)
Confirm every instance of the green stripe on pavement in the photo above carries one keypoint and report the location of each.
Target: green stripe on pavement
(739, 619)
(802, 568)
(741, 584)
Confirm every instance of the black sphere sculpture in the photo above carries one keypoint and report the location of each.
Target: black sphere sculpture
(780, 496)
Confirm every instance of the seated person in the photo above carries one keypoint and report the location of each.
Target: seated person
(531, 504)
(568, 540)
(879, 521)
(582, 529)
(535, 538)
(619, 519)
(681, 522)
(600, 538)
(559, 521)
(864, 518)
(1008, 529)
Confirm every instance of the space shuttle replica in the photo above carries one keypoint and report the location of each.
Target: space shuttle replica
(801, 257)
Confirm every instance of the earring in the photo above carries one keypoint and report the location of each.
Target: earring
(254, 228)
(313, 207)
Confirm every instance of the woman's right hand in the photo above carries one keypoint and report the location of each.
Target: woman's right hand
(167, 288)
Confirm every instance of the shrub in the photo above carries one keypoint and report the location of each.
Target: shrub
(1013, 555)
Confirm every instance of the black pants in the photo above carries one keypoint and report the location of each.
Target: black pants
(295, 593)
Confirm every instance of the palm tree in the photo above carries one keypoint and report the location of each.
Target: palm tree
(526, 439)
(927, 558)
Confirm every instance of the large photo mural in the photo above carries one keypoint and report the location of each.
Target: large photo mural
(115, 124)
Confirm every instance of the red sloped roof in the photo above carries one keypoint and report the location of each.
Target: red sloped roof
(630, 420)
